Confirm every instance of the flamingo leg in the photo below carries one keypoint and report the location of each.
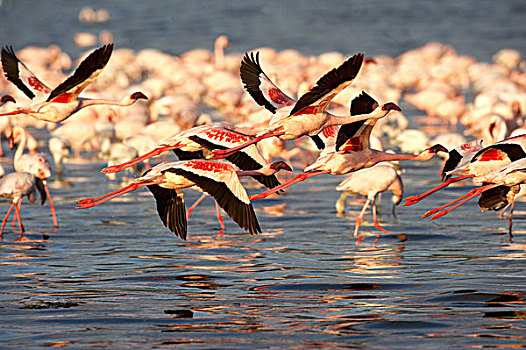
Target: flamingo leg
(91, 202)
(510, 222)
(17, 214)
(152, 153)
(223, 153)
(196, 203)
(5, 218)
(503, 211)
(433, 211)
(220, 219)
(471, 194)
(18, 204)
(417, 198)
(359, 218)
(375, 219)
(294, 180)
(51, 205)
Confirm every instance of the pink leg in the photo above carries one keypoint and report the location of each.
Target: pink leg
(375, 218)
(433, 211)
(220, 219)
(196, 203)
(105, 198)
(51, 205)
(294, 180)
(471, 194)
(359, 218)
(91, 200)
(17, 214)
(510, 222)
(153, 153)
(18, 204)
(223, 153)
(5, 218)
(417, 198)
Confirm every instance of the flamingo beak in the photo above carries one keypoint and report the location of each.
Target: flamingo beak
(280, 165)
(8, 98)
(389, 106)
(138, 96)
(438, 148)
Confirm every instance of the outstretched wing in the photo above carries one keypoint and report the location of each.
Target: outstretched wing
(170, 206)
(84, 75)
(221, 182)
(330, 85)
(460, 156)
(260, 87)
(18, 73)
(356, 136)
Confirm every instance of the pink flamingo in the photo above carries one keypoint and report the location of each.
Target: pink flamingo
(15, 186)
(347, 149)
(35, 164)
(166, 181)
(507, 178)
(60, 103)
(474, 161)
(370, 182)
(307, 116)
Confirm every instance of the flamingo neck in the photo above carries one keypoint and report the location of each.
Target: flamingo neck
(127, 101)
(21, 145)
(422, 156)
(378, 113)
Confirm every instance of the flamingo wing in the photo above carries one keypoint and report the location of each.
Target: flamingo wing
(356, 136)
(18, 73)
(329, 85)
(171, 209)
(259, 85)
(84, 75)
(221, 182)
(459, 157)
(248, 158)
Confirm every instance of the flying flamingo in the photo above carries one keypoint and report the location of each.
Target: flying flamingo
(15, 186)
(166, 181)
(476, 162)
(60, 103)
(347, 149)
(507, 178)
(307, 116)
(370, 182)
(34, 163)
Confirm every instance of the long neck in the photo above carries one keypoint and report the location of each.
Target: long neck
(21, 145)
(127, 101)
(422, 156)
(340, 120)
(266, 171)
(219, 55)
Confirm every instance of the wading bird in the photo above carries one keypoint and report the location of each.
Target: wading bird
(15, 186)
(60, 103)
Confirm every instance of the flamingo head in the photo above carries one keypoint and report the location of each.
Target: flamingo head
(280, 165)
(370, 61)
(7, 98)
(389, 106)
(138, 96)
(437, 148)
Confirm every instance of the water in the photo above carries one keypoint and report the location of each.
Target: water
(114, 277)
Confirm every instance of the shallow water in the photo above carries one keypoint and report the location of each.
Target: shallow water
(114, 277)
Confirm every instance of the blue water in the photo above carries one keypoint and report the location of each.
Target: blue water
(114, 277)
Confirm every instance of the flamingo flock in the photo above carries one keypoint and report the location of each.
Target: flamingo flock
(335, 124)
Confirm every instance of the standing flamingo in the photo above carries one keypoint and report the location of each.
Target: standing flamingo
(347, 149)
(15, 186)
(307, 116)
(60, 103)
(166, 181)
(476, 162)
(35, 164)
(370, 182)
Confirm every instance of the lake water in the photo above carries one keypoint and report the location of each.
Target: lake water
(114, 277)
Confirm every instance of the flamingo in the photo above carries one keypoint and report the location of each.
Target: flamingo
(35, 164)
(507, 178)
(15, 186)
(60, 103)
(370, 182)
(347, 149)
(307, 116)
(166, 181)
(470, 161)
